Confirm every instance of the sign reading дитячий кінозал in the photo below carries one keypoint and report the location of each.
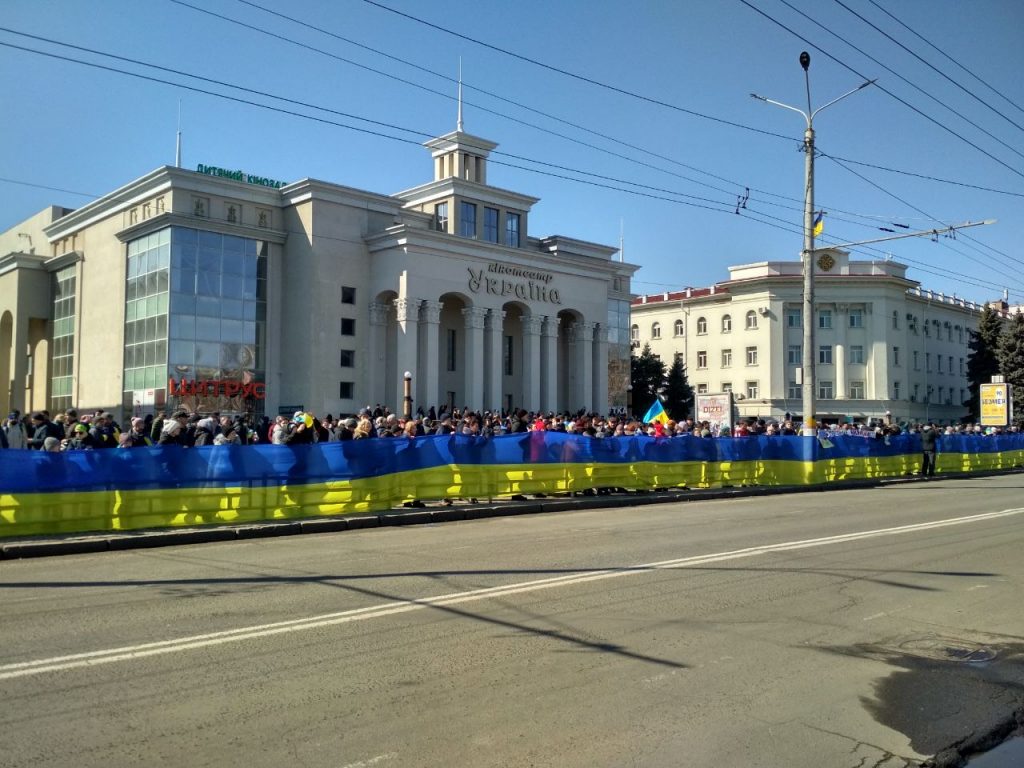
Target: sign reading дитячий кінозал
(534, 289)
(248, 178)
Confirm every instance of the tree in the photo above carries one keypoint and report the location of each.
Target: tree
(1011, 353)
(647, 375)
(982, 362)
(678, 392)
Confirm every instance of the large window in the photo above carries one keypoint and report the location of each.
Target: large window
(63, 356)
(751, 320)
(752, 390)
(147, 299)
(467, 219)
(450, 341)
(825, 354)
(793, 317)
(507, 356)
(824, 390)
(856, 354)
(702, 359)
(793, 355)
(491, 225)
(824, 318)
(441, 217)
(751, 355)
(702, 326)
(726, 323)
(856, 390)
(726, 358)
(856, 318)
(656, 330)
(678, 328)
(512, 229)
(793, 391)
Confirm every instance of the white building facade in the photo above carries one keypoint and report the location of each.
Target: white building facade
(882, 344)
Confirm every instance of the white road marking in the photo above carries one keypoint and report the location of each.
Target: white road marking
(391, 608)
(372, 760)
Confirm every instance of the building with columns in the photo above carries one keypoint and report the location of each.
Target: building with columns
(883, 345)
(218, 289)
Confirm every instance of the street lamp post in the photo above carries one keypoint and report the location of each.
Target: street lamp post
(407, 400)
(807, 367)
(629, 400)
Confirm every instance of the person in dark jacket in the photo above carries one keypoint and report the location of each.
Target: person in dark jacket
(135, 437)
(80, 439)
(40, 431)
(928, 450)
(104, 433)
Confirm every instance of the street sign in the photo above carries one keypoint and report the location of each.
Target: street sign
(996, 405)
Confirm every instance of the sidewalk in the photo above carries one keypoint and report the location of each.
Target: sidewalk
(432, 512)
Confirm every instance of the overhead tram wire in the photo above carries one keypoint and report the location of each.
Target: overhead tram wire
(928, 64)
(892, 71)
(885, 90)
(922, 176)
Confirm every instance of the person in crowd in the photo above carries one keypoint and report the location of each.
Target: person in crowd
(80, 439)
(14, 431)
(228, 434)
(345, 429)
(104, 432)
(175, 430)
(205, 431)
(928, 450)
(157, 427)
(301, 430)
(136, 436)
(51, 445)
(280, 431)
(40, 430)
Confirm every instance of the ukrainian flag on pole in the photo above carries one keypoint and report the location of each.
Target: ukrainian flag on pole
(656, 413)
(819, 223)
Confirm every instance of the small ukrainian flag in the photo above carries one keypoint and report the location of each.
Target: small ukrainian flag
(819, 223)
(656, 413)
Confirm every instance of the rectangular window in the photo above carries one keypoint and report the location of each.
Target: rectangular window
(917, 392)
(793, 391)
(895, 390)
(950, 369)
(938, 362)
(348, 326)
(726, 358)
(727, 386)
(825, 354)
(702, 389)
(794, 354)
(824, 390)
(896, 357)
(856, 354)
(507, 361)
(856, 390)
(441, 217)
(793, 318)
(917, 361)
(467, 219)
(961, 366)
(824, 318)
(348, 294)
(450, 349)
(702, 359)
(348, 358)
(928, 362)
(512, 230)
(346, 390)
(751, 355)
(752, 390)
(856, 318)
(491, 225)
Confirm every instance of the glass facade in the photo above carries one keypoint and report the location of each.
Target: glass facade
(195, 314)
(63, 355)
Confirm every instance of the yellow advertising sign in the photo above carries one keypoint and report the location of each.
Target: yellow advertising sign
(995, 405)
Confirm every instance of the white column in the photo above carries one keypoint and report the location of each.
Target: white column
(601, 369)
(407, 348)
(583, 356)
(531, 325)
(430, 368)
(549, 365)
(842, 320)
(474, 358)
(494, 358)
(376, 355)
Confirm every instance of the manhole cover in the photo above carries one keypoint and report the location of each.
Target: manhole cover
(942, 649)
(969, 656)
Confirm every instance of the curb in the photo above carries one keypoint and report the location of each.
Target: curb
(76, 544)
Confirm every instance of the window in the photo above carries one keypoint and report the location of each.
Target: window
(856, 390)
(678, 328)
(793, 391)
(346, 390)
(702, 326)
(508, 349)
(960, 334)
(512, 230)
(752, 390)
(679, 357)
(917, 392)
(896, 357)
(825, 354)
(727, 386)
(941, 389)
(928, 361)
(793, 317)
(950, 369)
(726, 358)
(751, 355)
(751, 320)
(856, 354)
(895, 390)
(702, 359)
(961, 366)
(793, 355)
(895, 320)
(727, 324)
(927, 328)
(938, 362)
(348, 294)
(856, 318)
(824, 390)
(450, 349)
(702, 389)
(491, 225)
(467, 219)
(917, 361)
(824, 318)
(348, 358)
(656, 331)
(348, 326)
(441, 217)
(634, 333)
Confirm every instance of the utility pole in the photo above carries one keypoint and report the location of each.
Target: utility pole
(810, 427)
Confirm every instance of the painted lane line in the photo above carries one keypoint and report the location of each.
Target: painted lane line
(392, 608)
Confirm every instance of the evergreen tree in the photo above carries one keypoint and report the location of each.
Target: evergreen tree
(1011, 354)
(678, 392)
(647, 375)
(982, 362)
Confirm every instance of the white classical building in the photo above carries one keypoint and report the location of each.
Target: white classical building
(219, 289)
(883, 345)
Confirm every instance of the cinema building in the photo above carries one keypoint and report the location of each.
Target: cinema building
(220, 290)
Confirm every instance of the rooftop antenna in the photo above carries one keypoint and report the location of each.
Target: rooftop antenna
(458, 125)
(177, 149)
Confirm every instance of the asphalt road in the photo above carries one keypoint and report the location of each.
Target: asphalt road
(850, 628)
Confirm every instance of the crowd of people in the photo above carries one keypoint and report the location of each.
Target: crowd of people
(70, 431)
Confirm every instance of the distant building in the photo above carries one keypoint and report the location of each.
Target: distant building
(882, 344)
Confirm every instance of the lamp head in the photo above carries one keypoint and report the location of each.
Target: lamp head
(805, 60)
(408, 376)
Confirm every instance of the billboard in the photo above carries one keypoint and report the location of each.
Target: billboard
(716, 410)
(996, 405)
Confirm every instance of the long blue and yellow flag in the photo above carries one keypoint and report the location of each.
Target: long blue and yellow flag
(819, 223)
(656, 413)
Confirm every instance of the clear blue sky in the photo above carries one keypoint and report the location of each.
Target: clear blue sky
(86, 130)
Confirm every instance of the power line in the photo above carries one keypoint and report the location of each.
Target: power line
(923, 176)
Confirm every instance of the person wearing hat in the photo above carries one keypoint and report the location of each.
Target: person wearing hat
(301, 431)
(174, 429)
(80, 439)
(228, 434)
(14, 432)
(135, 437)
(103, 431)
(345, 429)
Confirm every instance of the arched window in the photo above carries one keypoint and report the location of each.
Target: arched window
(679, 328)
(634, 333)
(726, 323)
(656, 331)
(702, 326)
(751, 320)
